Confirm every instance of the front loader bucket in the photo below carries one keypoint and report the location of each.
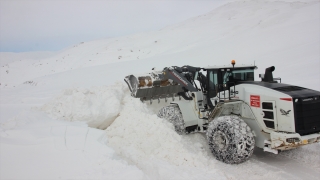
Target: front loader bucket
(148, 87)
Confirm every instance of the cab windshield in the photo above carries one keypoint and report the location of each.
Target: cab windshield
(238, 75)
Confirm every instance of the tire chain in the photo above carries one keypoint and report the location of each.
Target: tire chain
(173, 114)
(240, 142)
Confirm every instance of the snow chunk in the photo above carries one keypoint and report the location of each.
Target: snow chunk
(98, 106)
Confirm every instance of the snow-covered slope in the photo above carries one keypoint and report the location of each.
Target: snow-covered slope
(9, 57)
(283, 34)
(49, 108)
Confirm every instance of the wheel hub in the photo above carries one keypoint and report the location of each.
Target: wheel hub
(220, 140)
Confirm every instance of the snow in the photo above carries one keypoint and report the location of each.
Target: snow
(88, 105)
(69, 114)
(9, 57)
(50, 149)
(152, 144)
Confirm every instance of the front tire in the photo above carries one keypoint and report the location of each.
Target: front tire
(230, 139)
(173, 114)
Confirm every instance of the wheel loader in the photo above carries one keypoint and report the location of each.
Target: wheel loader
(236, 113)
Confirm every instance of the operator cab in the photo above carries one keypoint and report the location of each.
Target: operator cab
(221, 78)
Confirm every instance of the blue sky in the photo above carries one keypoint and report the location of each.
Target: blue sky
(52, 25)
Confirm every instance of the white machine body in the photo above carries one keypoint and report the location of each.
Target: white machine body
(281, 116)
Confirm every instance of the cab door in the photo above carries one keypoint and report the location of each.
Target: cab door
(268, 113)
(212, 77)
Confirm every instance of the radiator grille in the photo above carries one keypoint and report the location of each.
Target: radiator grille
(307, 116)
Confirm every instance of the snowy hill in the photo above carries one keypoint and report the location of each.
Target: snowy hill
(8, 57)
(51, 104)
(282, 34)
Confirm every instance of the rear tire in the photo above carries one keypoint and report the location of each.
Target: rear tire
(173, 114)
(230, 139)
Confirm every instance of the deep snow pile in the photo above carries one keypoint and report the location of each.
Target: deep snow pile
(98, 106)
(136, 134)
(143, 138)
